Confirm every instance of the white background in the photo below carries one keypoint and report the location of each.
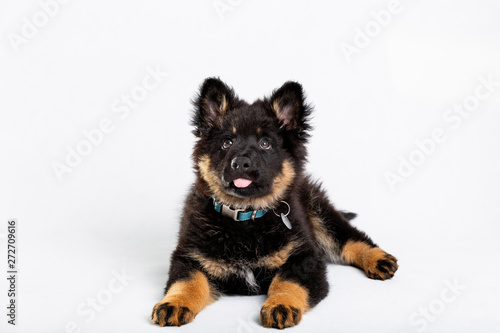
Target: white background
(118, 210)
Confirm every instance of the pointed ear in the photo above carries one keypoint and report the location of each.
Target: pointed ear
(288, 103)
(212, 102)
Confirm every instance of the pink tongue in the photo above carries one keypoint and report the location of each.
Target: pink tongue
(242, 182)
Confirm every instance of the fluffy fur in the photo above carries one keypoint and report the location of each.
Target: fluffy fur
(251, 157)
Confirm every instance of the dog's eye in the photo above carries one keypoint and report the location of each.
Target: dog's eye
(227, 143)
(264, 144)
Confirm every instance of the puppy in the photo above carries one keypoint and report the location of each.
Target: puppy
(253, 221)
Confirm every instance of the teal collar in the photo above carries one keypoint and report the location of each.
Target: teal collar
(238, 214)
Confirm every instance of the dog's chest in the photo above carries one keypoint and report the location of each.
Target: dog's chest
(231, 267)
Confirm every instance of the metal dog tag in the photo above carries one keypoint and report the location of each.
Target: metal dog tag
(286, 221)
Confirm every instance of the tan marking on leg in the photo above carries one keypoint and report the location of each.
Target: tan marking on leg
(280, 184)
(357, 253)
(286, 303)
(194, 294)
(326, 243)
(368, 258)
(287, 292)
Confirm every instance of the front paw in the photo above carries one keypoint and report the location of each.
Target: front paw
(280, 316)
(169, 314)
(380, 265)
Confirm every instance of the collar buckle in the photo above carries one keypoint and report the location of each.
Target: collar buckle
(238, 214)
(230, 212)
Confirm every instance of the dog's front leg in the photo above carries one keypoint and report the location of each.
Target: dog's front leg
(299, 285)
(184, 299)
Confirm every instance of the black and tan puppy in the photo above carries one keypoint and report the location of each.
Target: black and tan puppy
(253, 222)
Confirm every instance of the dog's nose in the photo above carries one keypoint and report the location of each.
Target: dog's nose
(241, 163)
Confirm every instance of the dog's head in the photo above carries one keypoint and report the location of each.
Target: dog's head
(248, 155)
